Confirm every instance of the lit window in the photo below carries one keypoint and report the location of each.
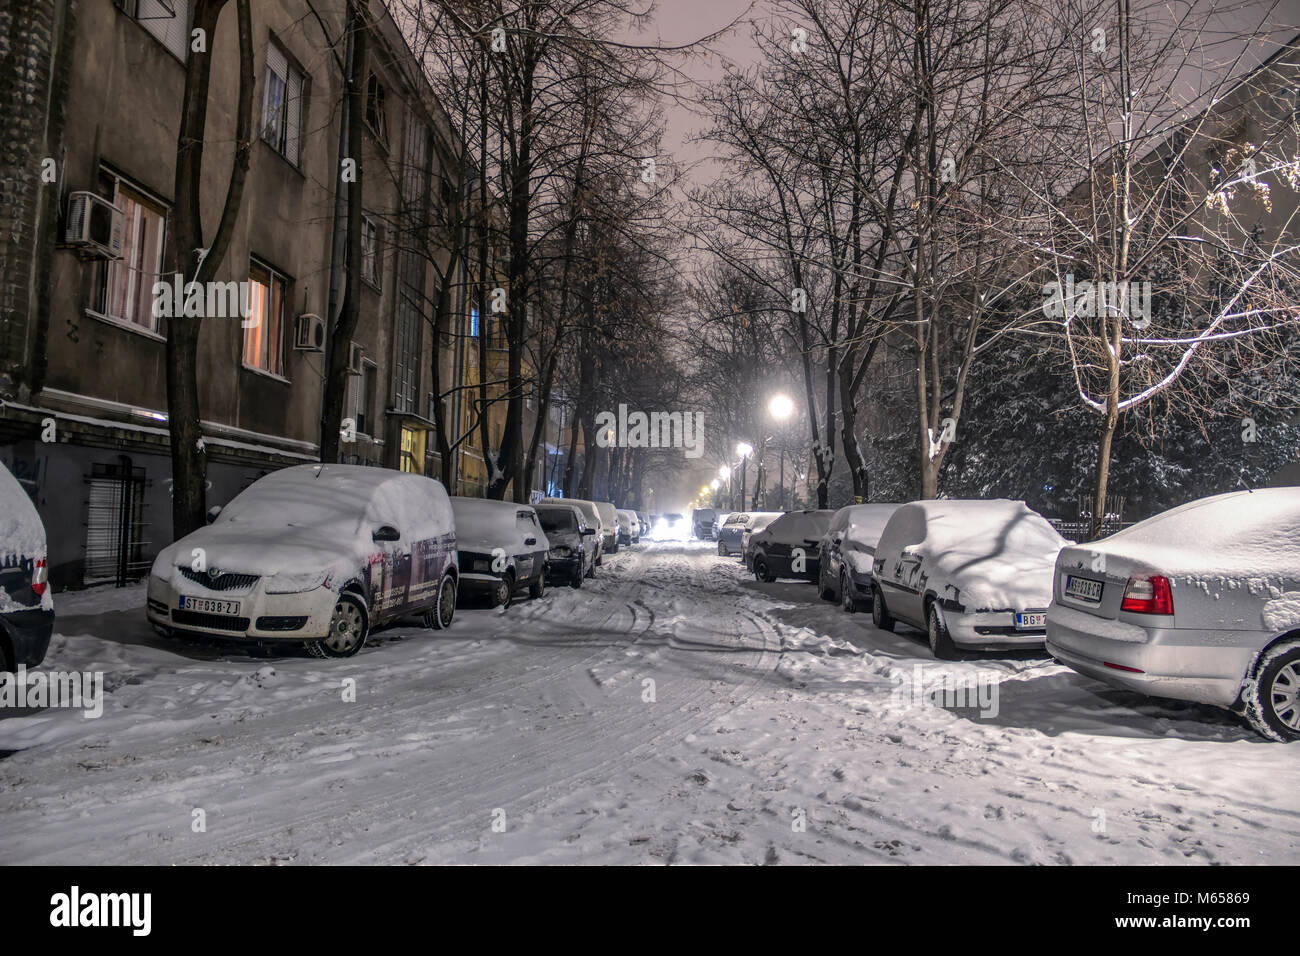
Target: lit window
(264, 327)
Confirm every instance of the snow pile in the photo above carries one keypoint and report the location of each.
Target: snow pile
(21, 533)
(989, 555)
(1283, 613)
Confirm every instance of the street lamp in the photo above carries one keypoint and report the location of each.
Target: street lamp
(781, 407)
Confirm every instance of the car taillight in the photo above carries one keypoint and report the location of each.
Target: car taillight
(40, 578)
(1148, 594)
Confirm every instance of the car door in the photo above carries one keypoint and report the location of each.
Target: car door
(390, 564)
(832, 555)
(531, 556)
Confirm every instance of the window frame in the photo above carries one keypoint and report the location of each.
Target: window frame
(273, 275)
(280, 146)
(101, 281)
(131, 8)
(377, 104)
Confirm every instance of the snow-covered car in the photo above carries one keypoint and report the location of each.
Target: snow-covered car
(970, 573)
(672, 527)
(573, 543)
(758, 520)
(314, 554)
(790, 546)
(608, 525)
(591, 517)
(500, 548)
(26, 602)
(719, 519)
(1199, 603)
(702, 523)
(731, 531)
(629, 529)
(848, 551)
(643, 520)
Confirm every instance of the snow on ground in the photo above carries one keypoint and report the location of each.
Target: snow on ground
(778, 729)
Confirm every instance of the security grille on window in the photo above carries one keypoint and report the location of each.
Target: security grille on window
(168, 20)
(264, 327)
(282, 104)
(124, 287)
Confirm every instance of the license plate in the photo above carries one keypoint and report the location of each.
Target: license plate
(210, 606)
(1083, 589)
(1030, 620)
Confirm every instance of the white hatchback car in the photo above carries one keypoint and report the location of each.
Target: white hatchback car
(315, 554)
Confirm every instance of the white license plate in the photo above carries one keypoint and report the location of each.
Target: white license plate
(1083, 589)
(210, 606)
(1028, 621)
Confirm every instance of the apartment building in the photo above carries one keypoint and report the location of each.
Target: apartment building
(98, 89)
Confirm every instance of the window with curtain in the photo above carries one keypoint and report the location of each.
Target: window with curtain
(264, 328)
(124, 287)
(282, 103)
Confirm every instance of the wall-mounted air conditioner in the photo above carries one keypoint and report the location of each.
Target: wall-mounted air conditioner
(95, 227)
(309, 336)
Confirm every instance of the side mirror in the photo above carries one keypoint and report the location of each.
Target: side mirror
(213, 512)
(530, 541)
(386, 532)
(587, 532)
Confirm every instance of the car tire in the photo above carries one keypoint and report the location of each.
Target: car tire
(879, 614)
(847, 601)
(591, 568)
(823, 592)
(1270, 695)
(504, 592)
(575, 582)
(538, 588)
(722, 549)
(761, 570)
(349, 627)
(941, 645)
(439, 617)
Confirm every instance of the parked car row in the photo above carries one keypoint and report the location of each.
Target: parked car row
(1217, 622)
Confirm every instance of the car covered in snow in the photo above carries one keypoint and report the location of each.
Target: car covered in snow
(26, 603)
(315, 554)
(501, 548)
(731, 530)
(629, 528)
(643, 520)
(970, 573)
(758, 520)
(702, 523)
(848, 552)
(1199, 603)
(573, 543)
(608, 525)
(789, 547)
(591, 518)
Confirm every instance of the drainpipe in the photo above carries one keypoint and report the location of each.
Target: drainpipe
(338, 228)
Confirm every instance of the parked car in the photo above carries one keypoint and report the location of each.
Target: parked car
(644, 520)
(26, 602)
(729, 533)
(719, 519)
(591, 517)
(790, 546)
(629, 529)
(1199, 603)
(608, 525)
(971, 574)
(702, 523)
(758, 520)
(317, 554)
(848, 551)
(573, 543)
(672, 527)
(501, 548)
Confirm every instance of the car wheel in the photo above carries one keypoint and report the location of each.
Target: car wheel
(439, 616)
(1272, 694)
(879, 615)
(348, 629)
(505, 590)
(761, 571)
(941, 644)
(722, 549)
(538, 587)
(576, 581)
(847, 601)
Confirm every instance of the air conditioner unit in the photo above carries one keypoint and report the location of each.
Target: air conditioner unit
(95, 226)
(309, 336)
(356, 354)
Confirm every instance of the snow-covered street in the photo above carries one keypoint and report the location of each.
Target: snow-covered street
(671, 711)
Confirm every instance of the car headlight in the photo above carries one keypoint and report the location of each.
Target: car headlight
(294, 583)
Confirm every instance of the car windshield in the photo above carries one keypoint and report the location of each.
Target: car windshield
(557, 520)
(322, 503)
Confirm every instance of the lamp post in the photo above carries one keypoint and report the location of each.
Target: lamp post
(781, 407)
(724, 473)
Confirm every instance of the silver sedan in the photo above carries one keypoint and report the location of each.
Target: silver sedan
(1200, 603)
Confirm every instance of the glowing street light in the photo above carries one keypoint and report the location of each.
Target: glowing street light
(744, 450)
(724, 473)
(716, 484)
(781, 407)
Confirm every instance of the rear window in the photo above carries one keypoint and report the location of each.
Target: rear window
(557, 520)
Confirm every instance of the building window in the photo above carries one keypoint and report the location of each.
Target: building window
(124, 287)
(282, 104)
(361, 391)
(167, 20)
(473, 323)
(370, 240)
(412, 450)
(376, 114)
(264, 328)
